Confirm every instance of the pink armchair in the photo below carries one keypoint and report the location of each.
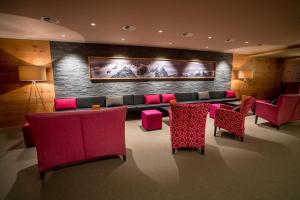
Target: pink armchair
(187, 125)
(286, 110)
(231, 120)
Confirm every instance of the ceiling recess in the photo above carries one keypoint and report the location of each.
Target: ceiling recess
(188, 34)
(50, 20)
(129, 28)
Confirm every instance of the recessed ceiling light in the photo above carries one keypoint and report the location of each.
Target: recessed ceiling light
(160, 31)
(50, 19)
(63, 35)
(129, 28)
(93, 24)
(188, 34)
(206, 47)
(229, 40)
(209, 37)
(246, 42)
(123, 39)
(170, 43)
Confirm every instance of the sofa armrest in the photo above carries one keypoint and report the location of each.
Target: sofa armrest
(266, 111)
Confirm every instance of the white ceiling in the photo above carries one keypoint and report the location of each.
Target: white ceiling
(273, 23)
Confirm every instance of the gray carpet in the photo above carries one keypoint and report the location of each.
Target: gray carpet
(265, 166)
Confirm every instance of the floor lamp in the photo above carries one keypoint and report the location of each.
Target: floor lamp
(33, 74)
(244, 75)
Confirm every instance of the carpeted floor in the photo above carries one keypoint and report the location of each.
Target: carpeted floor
(265, 166)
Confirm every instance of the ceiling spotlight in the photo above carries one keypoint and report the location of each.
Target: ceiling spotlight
(93, 24)
(209, 37)
(160, 31)
(50, 20)
(63, 35)
(206, 47)
(188, 34)
(246, 42)
(123, 39)
(229, 40)
(129, 28)
(170, 43)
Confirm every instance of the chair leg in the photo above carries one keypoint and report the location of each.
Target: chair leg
(173, 151)
(242, 139)
(42, 175)
(215, 132)
(256, 119)
(277, 127)
(124, 158)
(202, 151)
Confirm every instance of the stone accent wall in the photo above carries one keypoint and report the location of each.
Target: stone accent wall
(71, 74)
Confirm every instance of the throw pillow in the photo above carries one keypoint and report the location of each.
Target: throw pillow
(166, 98)
(112, 101)
(230, 94)
(152, 99)
(203, 95)
(65, 104)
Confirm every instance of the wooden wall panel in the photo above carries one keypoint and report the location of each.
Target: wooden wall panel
(266, 78)
(290, 69)
(13, 93)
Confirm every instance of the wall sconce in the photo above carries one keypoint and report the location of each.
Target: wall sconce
(33, 74)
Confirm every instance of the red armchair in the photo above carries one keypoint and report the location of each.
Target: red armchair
(187, 126)
(286, 110)
(231, 120)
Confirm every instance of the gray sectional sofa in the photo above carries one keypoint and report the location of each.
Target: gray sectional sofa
(135, 103)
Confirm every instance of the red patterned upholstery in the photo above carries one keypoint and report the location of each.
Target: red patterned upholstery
(187, 125)
(233, 121)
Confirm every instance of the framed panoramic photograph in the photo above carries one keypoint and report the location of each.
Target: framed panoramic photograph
(119, 68)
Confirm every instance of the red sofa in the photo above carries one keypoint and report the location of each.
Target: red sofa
(286, 110)
(68, 137)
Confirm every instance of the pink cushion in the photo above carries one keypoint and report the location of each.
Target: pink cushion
(65, 104)
(166, 98)
(152, 99)
(212, 109)
(230, 94)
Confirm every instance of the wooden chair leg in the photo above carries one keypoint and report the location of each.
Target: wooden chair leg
(202, 151)
(42, 175)
(277, 127)
(173, 151)
(215, 132)
(124, 158)
(242, 139)
(256, 119)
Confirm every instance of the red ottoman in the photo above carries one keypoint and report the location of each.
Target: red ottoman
(151, 119)
(212, 109)
(28, 135)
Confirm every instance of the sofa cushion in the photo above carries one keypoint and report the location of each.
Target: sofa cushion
(112, 101)
(203, 95)
(194, 96)
(152, 99)
(165, 98)
(230, 94)
(128, 100)
(183, 96)
(65, 104)
(87, 102)
(138, 99)
(216, 94)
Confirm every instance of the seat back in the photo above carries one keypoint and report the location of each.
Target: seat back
(288, 108)
(188, 125)
(246, 105)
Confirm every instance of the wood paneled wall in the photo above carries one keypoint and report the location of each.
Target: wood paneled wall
(13, 93)
(290, 68)
(266, 78)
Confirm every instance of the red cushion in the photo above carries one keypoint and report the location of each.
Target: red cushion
(152, 99)
(166, 98)
(65, 104)
(230, 94)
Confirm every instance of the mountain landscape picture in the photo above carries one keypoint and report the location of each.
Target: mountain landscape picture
(149, 68)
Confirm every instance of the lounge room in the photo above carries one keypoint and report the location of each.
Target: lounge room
(143, 99)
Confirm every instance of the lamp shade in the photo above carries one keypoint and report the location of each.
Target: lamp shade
(32, 73)
(245, 74)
